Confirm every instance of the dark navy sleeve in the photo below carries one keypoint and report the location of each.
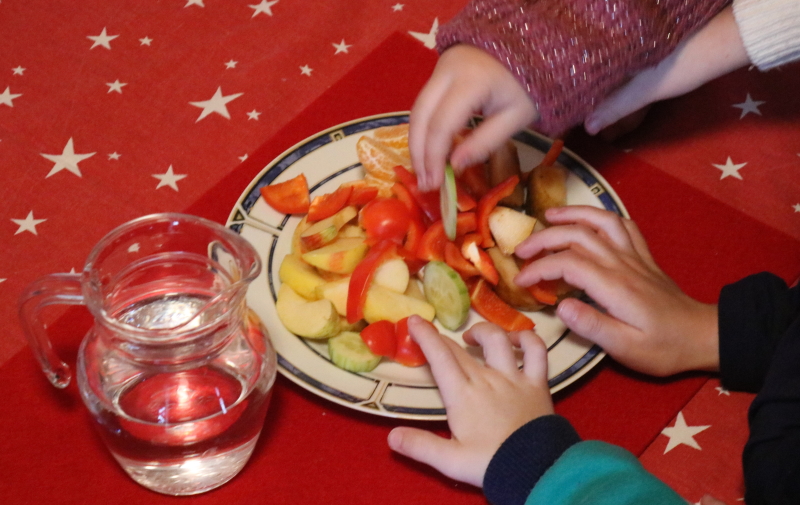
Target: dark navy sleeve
(524, 457)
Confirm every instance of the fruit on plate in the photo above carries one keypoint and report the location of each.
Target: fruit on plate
(392, 274)
(300, 276)
(448, 294)
(326, 230)
(514, 295)
(509, 227)
(383, 303)
(336, 292)
(309, 319)
(340, 256)
(547, 184)
(349, 352)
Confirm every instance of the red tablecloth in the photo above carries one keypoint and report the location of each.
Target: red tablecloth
(311, 451)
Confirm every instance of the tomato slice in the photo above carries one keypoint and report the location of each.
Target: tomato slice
(487, 204)
(289, 197)
(362, 277)
(486, 303)
(380, 338)
(408, 351)
(329, 204)
(385, 219)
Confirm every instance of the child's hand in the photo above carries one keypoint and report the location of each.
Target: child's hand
(466, 81)
(485, 403)
(649, 324)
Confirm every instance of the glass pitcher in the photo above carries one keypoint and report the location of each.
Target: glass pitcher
(176, 371)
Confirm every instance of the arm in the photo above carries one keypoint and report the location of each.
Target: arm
(563, 55)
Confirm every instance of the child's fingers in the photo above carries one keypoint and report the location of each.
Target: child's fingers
(488, 137)
(497, 349)
(588, 322)
(605, 224)
(534, 361)
(445, 366)
(440, 453)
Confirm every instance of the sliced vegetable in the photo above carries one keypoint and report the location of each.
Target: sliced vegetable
(362, 277)
(486, 303)
(289, 197)
(487, 204)
(448, 202)
(362, 192)
(427, 201)
(329, 204)
(326, 230)
(380, 338)
(448, 294)
(475, 180)
(349, 352)
(385, 219)
(408, 351)
(456, 260)
(474, 254)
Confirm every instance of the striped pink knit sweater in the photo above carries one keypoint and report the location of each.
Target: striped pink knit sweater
(569, 54)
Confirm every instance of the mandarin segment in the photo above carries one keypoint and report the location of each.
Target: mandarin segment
(379, 159)
(395, 136)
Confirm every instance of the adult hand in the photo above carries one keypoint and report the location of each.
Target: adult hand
(485, 403)
(648, 323)
(466, 81)
(712, 51)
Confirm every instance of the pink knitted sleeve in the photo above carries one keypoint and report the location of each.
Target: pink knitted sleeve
(569, 54)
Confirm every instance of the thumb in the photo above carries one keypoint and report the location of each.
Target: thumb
(440, 453)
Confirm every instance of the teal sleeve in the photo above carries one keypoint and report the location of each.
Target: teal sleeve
(600, 474)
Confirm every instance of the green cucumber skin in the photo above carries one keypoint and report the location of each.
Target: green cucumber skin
(348, 352)
(448, 294)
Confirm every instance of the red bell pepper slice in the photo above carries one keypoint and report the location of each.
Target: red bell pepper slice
(288, 197)
(488, 203)
(380, 338)
(361, 278)
(475, 181)
(408, 351)
(431, 245)
(464, 202)
(545, 291)
(486, 303)
(362, 193)
(553, 153)
(427, 201)
(456, 260)
(471, 251)
(329, 204)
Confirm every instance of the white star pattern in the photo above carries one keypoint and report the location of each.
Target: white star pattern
(796, 207)
(749, 105)
(397, 7)
(18, 70)
(681, 433)
(231, 64)
(264, 6)
(114, 156)
(429, 39)
(66, 160)
(134, 248)
(3, 280)
(253, 114)
(729, 169)
(341, 47)
(217, 103)
(145, 41)
(194, 2)
(6, 97)
(102, 40)
(27, 224)
(116, 86)
(722, 391)
(306, 70)
(242, 157)
(169, 178)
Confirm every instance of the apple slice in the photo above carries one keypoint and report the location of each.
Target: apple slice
(326, 230)
(317, 319)
(336, 292)
(300, 276)
(392, 274)
(340, 256)
(509, 227)
(383, 303)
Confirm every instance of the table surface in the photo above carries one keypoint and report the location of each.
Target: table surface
(116, 109)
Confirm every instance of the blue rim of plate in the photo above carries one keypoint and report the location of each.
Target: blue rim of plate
(580, 168)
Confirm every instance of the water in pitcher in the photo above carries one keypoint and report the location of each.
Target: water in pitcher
(179, 431)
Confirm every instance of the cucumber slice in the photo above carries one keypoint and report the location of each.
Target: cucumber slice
(349, 352)
(448, 202)
(448, 294)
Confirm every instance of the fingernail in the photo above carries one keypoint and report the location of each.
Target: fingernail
(565, 312)
(592, 125)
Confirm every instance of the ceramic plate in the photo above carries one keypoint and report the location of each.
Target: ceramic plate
(329, 159)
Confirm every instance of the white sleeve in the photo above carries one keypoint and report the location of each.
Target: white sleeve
(770, 30)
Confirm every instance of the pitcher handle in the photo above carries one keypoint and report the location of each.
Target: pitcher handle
(48, 290)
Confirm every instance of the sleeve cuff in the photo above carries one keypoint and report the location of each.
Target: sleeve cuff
(524, 457)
